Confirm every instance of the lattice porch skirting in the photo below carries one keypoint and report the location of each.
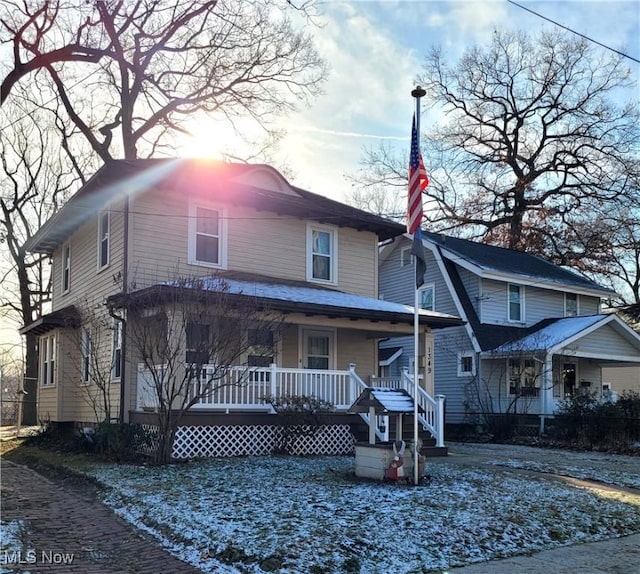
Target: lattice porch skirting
(246, 440)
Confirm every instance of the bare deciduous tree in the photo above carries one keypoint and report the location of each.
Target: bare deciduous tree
(531, 149)
(129, 73)
(120, 80)
(194, 337)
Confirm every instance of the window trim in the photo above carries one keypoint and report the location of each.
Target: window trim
(463, 355)
(193, 233)
(333, 255)
(425, 287)
(104, 238)
(577, 304)
(537, 383)
(66, 268)
(86, 348)
(48, 361)
(116, 347)
(405, 257)
(520, 302)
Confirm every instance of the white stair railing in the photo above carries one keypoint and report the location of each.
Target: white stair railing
(381, 427)
(430, 410)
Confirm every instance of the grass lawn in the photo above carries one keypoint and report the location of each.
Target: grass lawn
(293, 515)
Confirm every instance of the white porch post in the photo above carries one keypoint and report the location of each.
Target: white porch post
(428, 380)
(440, 421)
(272, 380)
(547, 389)
(352, 384)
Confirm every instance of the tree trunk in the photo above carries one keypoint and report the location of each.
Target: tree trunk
(30, 382)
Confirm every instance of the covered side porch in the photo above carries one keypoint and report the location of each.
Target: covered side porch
(562, 360)
(324, 346)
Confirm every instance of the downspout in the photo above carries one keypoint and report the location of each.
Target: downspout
(125, 288)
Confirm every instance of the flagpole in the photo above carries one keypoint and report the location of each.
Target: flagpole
(417, 93)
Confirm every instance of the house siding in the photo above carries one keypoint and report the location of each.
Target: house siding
(87, 284)
(257, 242)
(605, 341)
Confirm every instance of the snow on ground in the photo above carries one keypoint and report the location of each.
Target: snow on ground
(293, 515)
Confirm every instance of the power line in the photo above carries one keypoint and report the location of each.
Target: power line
(574, 32)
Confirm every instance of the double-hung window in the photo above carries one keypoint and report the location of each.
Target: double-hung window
(116, 356)
(66, 268)
(515, 303)
(207, 236)
(322, 254)
(570, 304)
(86, 350)
(427, 297)
(104, 230)
(48, 361)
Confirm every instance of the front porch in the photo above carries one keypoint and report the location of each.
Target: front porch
(234, 417)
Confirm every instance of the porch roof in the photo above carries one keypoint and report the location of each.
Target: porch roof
(383, 400)
(551, 335)
(301, 297)
(65, 317)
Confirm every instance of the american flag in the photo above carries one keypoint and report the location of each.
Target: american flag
(418, 182)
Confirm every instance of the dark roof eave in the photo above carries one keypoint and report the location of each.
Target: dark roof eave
(158, 294)
(67, 317)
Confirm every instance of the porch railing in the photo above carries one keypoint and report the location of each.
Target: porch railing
(246, 389)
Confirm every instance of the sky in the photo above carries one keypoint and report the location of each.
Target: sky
(375, 50)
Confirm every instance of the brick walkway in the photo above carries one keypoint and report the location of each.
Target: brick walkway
(68, 532)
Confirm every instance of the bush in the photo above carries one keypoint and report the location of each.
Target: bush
(585, 421)
(114, 440)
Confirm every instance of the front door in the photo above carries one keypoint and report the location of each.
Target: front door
(318, 349)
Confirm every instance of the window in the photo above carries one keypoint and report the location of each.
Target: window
(86, 348)
(427, 297)
(570, 304)
(523, 378)
(104, 224)
(321, 254)
(207, 231)
(116, 358)
(405, 256)
(48, 361)
(66, 268)
(260, 352)
(515, 303)
(466, 364)
(198, 344)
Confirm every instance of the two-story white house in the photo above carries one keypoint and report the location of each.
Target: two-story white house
(137, 225)
(533, 335)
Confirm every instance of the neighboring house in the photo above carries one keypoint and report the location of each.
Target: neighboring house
(136, 226)
(534, 332)
(618, 379)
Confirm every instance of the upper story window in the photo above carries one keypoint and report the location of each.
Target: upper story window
(515, 302)
(66, 268)
(322, 254)
(570, 304)
(405, 256)
(428, 297)
(207, 236)
(104, 225)
(48, 361)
